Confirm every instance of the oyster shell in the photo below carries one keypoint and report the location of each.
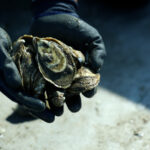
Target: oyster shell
(51, 70)
(84, 80)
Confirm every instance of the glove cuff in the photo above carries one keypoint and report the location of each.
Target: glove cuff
(42, 8)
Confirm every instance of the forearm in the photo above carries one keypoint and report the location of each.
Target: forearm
(50, 7)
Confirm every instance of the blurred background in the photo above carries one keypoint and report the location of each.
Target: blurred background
(125, 28)
(117, 118)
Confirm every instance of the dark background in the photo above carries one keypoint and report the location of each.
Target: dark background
(125, 27)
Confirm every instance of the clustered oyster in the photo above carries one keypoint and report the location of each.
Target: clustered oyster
(51, 70)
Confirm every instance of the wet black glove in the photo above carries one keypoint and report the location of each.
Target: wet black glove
(58, 19)
(10, 82)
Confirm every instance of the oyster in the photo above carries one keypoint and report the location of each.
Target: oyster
(51, 70)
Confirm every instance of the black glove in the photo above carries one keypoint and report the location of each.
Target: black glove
(10, 82)
(58, 19)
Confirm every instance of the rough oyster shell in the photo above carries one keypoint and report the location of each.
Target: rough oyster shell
(51, 70)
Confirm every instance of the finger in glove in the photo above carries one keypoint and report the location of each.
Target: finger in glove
(58, 111)
(74, 103)
(46, 115)
(90, 93)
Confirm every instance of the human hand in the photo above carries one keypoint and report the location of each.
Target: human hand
(58, 19)
(10, 82)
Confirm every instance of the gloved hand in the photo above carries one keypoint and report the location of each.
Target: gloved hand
(58, 19)
(10, 82)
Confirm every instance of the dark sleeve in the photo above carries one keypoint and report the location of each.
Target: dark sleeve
(50, 7)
